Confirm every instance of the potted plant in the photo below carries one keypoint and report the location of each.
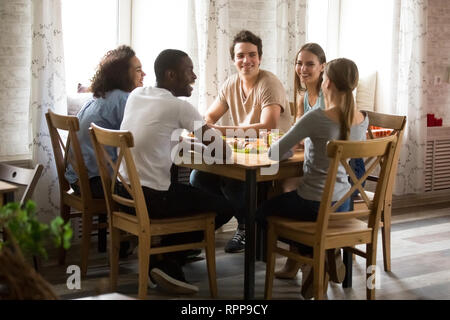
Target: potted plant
(24, 237)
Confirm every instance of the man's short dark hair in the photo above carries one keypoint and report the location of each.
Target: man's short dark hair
(246, 36)
(168, 59)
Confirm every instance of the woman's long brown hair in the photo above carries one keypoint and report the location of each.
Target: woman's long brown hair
(345, 76)
(316, 50)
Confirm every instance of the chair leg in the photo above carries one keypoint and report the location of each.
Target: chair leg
(211, 258)
(86, 219)
(101, 244)
(144, 261)
(36, 263)
(65, 215)
(319, 273)
(114, 245)
(371, 274)
(270, 264)
(386, 236)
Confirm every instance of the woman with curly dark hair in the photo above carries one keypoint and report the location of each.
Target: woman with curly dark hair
(118, 73)
(119, 69)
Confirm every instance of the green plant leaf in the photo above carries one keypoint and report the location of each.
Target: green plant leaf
(31, 235)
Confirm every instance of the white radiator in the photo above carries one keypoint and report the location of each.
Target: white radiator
(437, 159)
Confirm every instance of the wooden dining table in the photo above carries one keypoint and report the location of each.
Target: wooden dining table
(250, 168)
(6, 192)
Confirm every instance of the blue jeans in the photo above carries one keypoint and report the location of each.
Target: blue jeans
(233, 190)
(359, 168)
(291, 205)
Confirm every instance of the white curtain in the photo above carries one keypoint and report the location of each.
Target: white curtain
(291, 35)
(409, 92)
(209, 48)
(210, 40)
(47, 92)
(15, 62)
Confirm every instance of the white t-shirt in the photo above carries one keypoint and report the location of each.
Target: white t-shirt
(152, 115)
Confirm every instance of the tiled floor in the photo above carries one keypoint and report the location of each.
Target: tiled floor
(420, 267)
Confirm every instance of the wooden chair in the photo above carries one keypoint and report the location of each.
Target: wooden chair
(397, 125)
(23, 177)
(140, 224)
(86, 206)
(337, 229)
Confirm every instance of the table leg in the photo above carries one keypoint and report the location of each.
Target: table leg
(8, 197)
(348, 261)
(250, 200)
(261, 247)
(101, 236)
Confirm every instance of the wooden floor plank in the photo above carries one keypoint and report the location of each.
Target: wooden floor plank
(420, 267)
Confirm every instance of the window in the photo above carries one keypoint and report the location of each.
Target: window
(360, 30)
(155, 26)
(90, 29)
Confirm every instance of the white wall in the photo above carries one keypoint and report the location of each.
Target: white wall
(438, 59)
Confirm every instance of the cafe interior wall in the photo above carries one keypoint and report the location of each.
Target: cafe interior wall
(255, 15)
(15, 46)
(438, 60)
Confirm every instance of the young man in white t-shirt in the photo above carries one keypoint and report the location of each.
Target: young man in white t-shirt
(153, 115)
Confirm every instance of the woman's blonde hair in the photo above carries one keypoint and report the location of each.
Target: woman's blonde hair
(345, 76)
(316, 50)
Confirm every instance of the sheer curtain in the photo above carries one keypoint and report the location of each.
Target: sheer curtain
(291, 35)
(15, 62)
(409, 90)
(208, 45)
(210, 39)
(47, 92)
(396, 51)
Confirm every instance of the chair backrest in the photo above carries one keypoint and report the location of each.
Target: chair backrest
(397, 125)
(21, 176)
(379, 152)
(110, 175)
(68, 151)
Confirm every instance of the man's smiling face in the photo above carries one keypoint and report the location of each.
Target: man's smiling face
(246, 59)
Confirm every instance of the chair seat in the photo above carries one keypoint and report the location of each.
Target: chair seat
(75, 201)
(305, 231)
(190, 223)
(192, 217)
(133, 218)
